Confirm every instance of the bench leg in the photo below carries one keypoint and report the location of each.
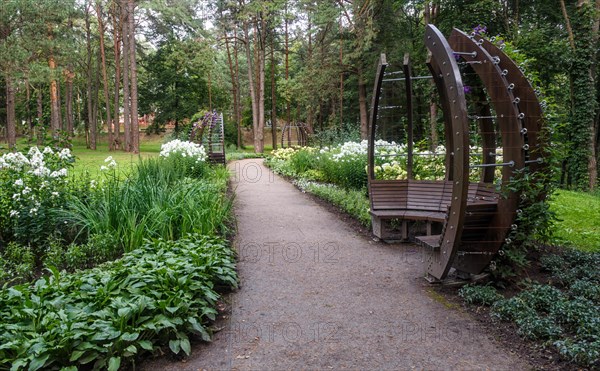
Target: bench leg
(404, 230)
(377, 227)
(428, 228)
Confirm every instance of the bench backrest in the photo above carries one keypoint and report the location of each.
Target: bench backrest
(422, 194)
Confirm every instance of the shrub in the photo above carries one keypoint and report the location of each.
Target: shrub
(33, 186)
(154, 296)
(479, 295)
(17, 263)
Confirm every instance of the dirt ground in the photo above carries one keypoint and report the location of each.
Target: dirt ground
(316, 293)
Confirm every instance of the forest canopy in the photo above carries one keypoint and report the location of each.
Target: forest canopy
(85, 67)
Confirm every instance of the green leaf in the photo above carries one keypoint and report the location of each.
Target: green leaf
(114, 363)
(185, 345)
(70, 368)
(145, 344)
(76, 355)
(38, 362)
(130, 336)
(130, 350)
(175, 346)
(18, 364)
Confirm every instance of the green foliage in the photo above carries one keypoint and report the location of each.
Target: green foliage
(33, 186)
(159, 200)
(567, 316)
(17, 263)
(154, 296)
(578, 214)
(175, 83)
(351, 201)
(479, 295)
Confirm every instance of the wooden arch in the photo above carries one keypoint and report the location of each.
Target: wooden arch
(212, 139)
(299, 130)
(467, 222)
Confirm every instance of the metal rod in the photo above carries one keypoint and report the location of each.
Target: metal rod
(475, 117)
(472, 54)
(414, 154)
(409, 105)
(539, 160)
(509, 164)
(389, 107)
(393, 73)
(412, 78)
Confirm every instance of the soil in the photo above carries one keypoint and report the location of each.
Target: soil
(319, 293)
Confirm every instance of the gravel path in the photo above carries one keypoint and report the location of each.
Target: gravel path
(316, 294)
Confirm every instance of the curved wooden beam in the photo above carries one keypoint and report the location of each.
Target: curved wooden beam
(373, 118)
(440, 260)
(528, 104)
(475, 256)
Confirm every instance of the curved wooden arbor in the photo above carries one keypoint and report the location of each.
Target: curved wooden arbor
(213, 140)
(299, 130)
(466, 222)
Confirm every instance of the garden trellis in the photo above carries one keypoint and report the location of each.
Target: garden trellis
(294, 134)
(462, 215)
(210, 130)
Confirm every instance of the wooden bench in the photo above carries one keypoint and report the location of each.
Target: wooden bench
(427, 201)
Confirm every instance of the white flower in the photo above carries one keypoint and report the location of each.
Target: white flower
(33, 211)
(19, 182)
(58, 173)
(184, 148)
(65, 154)
(55, 194)
(26, 190)
(103, 168)
(41, 171)
(14, 213)
(48, 151)
(93, 183)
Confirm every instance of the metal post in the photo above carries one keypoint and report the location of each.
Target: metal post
(409, 109)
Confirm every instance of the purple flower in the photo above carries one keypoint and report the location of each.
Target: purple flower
(480, 30)
(467, 89)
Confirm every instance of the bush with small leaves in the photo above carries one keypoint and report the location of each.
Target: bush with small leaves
(479, 295)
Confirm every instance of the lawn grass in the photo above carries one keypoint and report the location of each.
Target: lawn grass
(579, 220)
(91, 160)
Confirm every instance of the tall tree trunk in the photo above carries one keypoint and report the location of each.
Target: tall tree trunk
(287, 77)
(251, 83)
(91, 123)
(28, 111)
(40, 117)
(362, 104)
(69, 101)
(238, 112)
(593, 159)
(117, 53)
(109, 126)
(233, 82)
(11, 128)
(433, 123)
(273, 95)
(584, 94)
(54, 102)
(126, 93)
(310, 116)
(261, 85)
(135, 131)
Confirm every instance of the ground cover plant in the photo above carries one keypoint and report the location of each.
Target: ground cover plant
(131, 261)
(563, 313)
(155, 295)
